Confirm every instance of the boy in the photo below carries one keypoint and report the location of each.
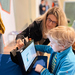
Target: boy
(62, 59)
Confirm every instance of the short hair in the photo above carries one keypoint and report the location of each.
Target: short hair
(63, 35)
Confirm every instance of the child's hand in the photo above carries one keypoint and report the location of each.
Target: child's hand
(38, 68)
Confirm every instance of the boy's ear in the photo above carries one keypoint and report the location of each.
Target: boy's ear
(62, 46)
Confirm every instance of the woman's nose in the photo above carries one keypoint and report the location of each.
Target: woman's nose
(50, 23)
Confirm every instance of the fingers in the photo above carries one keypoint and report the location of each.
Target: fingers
(19, 43)
(19, 40)
(38, 68)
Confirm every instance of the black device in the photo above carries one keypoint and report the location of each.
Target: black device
(26, 57)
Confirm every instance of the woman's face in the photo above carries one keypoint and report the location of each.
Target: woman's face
(51, 22)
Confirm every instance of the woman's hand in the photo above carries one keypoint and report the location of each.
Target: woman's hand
(38, 68)
(20, 43)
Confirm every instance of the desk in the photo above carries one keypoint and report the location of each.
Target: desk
(7, 67)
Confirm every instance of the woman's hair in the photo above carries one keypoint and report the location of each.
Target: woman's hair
(58, 13)
(63, 35)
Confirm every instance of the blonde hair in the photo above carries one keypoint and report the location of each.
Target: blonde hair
(58, 13)
(63, 35)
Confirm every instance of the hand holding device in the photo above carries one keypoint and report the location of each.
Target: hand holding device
(19, 43)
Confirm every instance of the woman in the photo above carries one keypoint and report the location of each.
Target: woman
(51, 19)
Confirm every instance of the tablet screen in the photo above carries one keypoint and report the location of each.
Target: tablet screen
(28, 55)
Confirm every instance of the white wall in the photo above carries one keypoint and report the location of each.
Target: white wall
(9, 22)
(37, 8)
(24, 10)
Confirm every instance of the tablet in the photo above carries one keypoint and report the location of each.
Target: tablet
(27, 57)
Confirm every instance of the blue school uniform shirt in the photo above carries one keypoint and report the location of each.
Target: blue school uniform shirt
(65, 64)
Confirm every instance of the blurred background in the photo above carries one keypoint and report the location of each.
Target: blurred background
(18, 14)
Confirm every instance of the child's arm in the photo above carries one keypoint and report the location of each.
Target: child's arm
(43, 48)
(67, 68)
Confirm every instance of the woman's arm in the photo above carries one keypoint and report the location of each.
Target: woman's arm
(23, 34)
(33, 32)
(30, 31)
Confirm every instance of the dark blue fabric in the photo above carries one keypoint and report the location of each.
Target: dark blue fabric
(7, 67)
(41, 10)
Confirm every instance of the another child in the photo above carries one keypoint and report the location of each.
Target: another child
(62, 59)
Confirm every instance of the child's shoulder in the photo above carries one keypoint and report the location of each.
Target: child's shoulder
(69, 58)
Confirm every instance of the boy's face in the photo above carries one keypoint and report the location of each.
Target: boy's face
(55, 46)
